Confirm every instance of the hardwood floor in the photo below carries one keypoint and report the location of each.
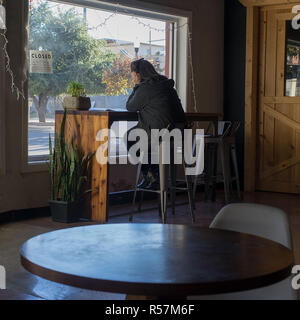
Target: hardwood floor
(23, 285)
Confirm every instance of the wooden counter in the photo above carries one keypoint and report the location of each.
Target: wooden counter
(83, 127)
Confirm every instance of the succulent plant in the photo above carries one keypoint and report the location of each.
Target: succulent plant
(76, 89)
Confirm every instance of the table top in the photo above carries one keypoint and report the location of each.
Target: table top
(132, 116)
(156, 259)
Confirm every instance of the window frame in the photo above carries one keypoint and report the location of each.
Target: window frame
(179, 64)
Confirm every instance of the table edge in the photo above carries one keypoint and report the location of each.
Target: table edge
(164, 289)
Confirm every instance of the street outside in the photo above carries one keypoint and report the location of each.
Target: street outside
(38, 138)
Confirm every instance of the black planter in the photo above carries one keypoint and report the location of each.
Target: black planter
(67, 212)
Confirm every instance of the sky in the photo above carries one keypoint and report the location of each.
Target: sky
(124, 27)
(119, 26)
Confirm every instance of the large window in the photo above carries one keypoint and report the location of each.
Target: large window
(94, 46)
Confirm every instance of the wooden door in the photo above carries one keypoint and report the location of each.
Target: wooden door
(279, 102)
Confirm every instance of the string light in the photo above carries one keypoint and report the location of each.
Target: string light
(2, 16)
(168, 29)
(103, 24)
(14, 87)
(192, 69)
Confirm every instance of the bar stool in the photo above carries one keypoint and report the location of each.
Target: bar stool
(223, 145)
(210, 160)
(231, 142)
(167, 173)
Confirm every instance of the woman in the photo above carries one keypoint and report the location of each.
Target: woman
(159, 107)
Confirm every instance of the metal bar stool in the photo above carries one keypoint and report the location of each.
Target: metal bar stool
(224, 146)
(198, 153)
(231, 142)
(167, 173)
(210, 160)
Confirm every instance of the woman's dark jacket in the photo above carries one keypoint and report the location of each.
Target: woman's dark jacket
(157, 103)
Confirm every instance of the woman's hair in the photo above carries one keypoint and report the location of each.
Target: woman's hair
(146, 70)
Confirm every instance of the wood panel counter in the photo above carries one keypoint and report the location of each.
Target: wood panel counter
(83, 127)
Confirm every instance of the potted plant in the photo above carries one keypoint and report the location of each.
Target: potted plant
(68, 169)
(76, 98)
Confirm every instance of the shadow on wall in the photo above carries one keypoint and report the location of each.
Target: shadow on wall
(234, 71)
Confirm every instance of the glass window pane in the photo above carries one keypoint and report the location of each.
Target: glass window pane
(292, 70)
(90, 46)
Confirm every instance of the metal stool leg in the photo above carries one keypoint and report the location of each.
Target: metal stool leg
(141, 201)
(163, 197)
(138, 173)
(236, 170)
(189, 191)
(210, 174)
(159, 209)
(163, 192)
(195, 178)
(213, 173)
(194, 191)
(228, 169)
(173, 186)
(224, 171)
(207, 174)
(163, 176)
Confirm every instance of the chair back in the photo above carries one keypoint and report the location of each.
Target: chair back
(224, 127)
(264, 221)
(234, 128)
(256, 219)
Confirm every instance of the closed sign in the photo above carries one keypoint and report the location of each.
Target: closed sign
(41, 61)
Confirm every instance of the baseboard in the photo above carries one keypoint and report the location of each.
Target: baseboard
(24, 214)
(115, 198)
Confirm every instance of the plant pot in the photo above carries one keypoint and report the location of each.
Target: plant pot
(77, 103)
(63, 211)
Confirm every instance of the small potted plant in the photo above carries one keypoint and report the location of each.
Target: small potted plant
(69, 170)
(76, 98)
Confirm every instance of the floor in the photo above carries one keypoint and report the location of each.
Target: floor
(23, 285)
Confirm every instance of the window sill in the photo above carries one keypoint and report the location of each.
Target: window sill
(42, 165)
(36, 166)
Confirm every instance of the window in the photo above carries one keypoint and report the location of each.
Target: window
(94, 45)
(292, 72)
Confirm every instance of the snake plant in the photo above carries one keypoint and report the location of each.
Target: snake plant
(68, 167)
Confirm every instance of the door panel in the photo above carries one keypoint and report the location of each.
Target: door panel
(279, 112)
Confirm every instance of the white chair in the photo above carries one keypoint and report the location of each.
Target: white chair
(263, 221)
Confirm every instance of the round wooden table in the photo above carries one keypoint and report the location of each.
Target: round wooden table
(156, 260)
